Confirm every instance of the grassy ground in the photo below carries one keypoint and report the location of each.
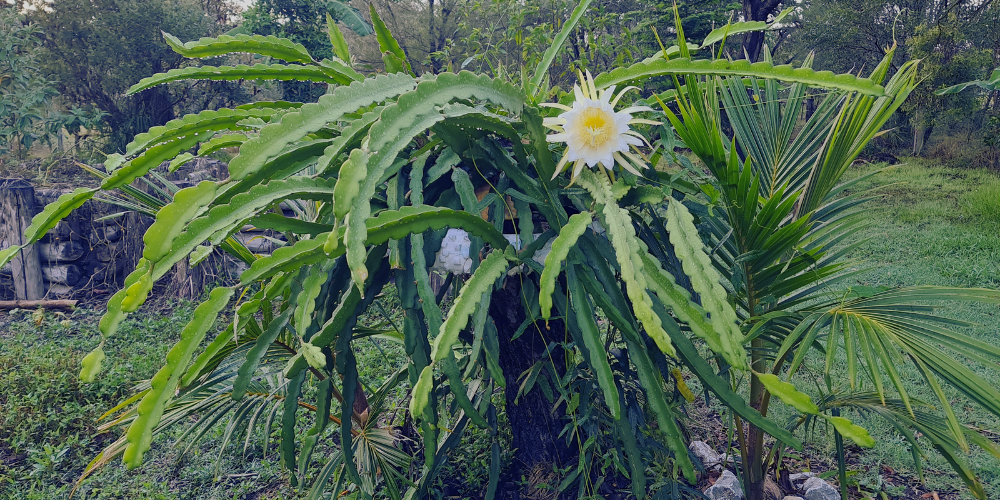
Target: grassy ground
(929, 225)
(48, 419)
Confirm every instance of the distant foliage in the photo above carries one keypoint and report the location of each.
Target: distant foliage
(95, 50)
(303, 22)
(25, 94)
(947, 58)
(956, 41)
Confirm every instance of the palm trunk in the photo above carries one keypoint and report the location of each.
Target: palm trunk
(535, 427)
(753, 460)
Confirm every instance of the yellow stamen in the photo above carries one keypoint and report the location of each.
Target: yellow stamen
(598, 125)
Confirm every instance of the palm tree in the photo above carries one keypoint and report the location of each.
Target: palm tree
(783, 225)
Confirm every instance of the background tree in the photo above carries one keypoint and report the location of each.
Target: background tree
(948, 58)
(756, 10)
(508, 37)
(302, 21)
(954, 39)
(24, 93)
(96, 49)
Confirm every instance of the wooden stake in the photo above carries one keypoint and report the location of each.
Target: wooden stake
(17, 204)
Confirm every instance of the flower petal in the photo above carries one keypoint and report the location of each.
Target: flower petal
(562, 164)
(561, 137)
(636, 109)
(636, 139)
(626, 165)
(644, 121)
(607, 94)
(622, 93)
(590, 84)
(555, 105)
(635, 159)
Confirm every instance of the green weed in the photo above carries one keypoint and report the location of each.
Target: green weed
(983, 201)
(48, 418)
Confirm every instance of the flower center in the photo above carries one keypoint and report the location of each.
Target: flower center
(598, 126)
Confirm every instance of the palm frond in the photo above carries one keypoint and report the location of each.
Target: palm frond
(915, 415)
(878, 331)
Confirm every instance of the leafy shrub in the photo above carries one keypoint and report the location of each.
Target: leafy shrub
(24, 94)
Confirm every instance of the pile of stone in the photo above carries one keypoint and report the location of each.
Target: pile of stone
(728, 487)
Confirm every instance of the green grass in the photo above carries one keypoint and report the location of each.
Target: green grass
(984, 201)
(48, 419)
(929, 225)
(932, 226)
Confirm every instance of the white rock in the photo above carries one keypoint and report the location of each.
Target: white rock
(67, 274)
(818, 489)
(257, 242)
(790, 497)
(454, 254)
(727, 487)
(704, 452)
(61, 251)
(800, 476)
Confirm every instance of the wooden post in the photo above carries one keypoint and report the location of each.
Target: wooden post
(17, 204)
(188, 281)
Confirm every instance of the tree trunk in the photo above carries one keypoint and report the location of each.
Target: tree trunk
(431, 39)
(756, 10)
(918, 139)
(755, 478)
(187, 281)
(160, 106)
(131, 245)
(534, 425)
(753, 43)
(17, 207)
